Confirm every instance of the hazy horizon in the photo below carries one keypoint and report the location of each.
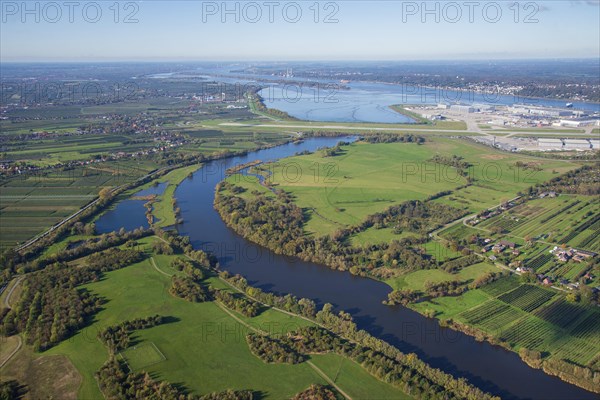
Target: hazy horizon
(298, 31)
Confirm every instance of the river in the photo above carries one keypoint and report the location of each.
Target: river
(489, 367)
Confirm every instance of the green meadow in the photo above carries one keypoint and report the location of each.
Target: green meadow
(203, 347)
(366, 178)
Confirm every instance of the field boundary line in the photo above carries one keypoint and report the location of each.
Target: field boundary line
(158, 350)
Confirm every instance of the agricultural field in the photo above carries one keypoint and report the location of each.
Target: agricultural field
(566, 219)
(31, 204)
(203, 347)
(526, 316)
(45, 152)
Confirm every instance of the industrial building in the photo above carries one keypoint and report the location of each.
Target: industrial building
(550, 144)
(577, 144)
(579, 122)
(541, 111)
(463, 109)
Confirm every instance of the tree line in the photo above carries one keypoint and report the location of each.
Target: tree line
(281, 230)
(117, 337)
(51, 307)
(273, 350)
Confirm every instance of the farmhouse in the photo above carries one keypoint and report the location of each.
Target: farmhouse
(508, 244)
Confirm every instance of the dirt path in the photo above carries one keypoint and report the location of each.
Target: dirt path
(158, 269)
(313, 366)
(332, 383)
(10, 292)
(10, 356)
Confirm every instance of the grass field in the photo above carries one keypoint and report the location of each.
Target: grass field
(162, 208)
(416, 280)
(45, 376)
(204, 348)
(352, 379)
(367, 178)
(142, 356)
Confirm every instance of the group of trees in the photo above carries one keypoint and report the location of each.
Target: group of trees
(414, 216)
(87, 247)
(188, 289)
(584, 377)
(455, 161)
(316, 392)
(406, 372)
(403, 297)
(457, 264)
(114, 258)
(273, 350)
(11, 390)
(51, 307)
(238, 303)
(117, 337)
(392, 138)
(445, 288)
(288, 302)
(281, 230)
(584, 180)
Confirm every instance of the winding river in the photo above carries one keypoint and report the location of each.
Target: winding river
(489, 367)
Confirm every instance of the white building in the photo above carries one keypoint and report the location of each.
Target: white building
(550, 144)
(576, 123)
(577, 144)
(463, 109)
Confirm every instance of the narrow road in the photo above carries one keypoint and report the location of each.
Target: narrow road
(313, 366)
(10, 356)
(236, 318)
(158, 269)
(10, 292)
(332, 383)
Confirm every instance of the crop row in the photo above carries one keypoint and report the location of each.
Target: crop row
(530, 333)
(559, 212)
(582, 227)
(560, 313)
(589, 328)
(539, 261)
(502, 285)
(527, 297)
(492, 315)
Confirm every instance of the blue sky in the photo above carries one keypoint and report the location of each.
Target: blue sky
(356, 30)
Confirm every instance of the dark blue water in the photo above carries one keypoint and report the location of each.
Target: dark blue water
(488, 367)
(128, 214)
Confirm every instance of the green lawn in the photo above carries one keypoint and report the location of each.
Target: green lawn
(163, 208)
(204, 348)
(354, 380)
(367, 178)
(416, 280)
